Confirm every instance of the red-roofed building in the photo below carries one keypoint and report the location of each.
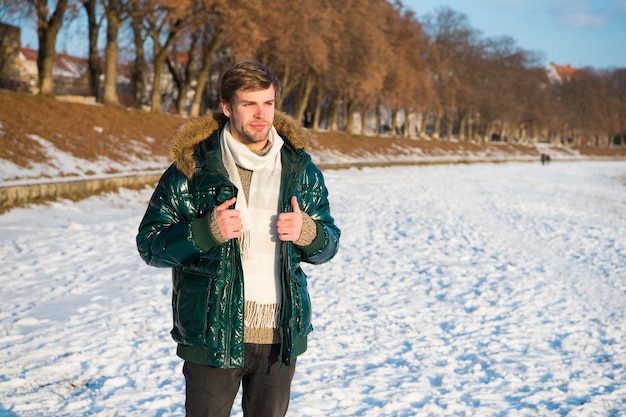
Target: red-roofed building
(69, 72)
(28, 66)
(561, 73)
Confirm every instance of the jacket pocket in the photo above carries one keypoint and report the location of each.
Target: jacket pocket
(302, 304)
(189, 306)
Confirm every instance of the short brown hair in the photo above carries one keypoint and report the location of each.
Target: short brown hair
(248, 76)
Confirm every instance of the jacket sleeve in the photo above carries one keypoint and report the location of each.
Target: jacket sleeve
(165, 237)
(315, 196)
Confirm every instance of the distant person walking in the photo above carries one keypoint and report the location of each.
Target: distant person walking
(239, 209)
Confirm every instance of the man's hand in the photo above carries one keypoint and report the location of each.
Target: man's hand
(228, 220)
(289, 225)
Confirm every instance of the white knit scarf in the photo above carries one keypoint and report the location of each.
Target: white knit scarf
(259, 244)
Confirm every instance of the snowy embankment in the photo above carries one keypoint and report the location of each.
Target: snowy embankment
(61, 166)
(487, 290)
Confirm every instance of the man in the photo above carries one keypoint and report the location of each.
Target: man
(239, 209)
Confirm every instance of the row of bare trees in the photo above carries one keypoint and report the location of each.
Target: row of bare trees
(352, 65)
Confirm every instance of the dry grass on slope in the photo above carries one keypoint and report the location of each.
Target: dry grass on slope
(85, 131)
(93, 131)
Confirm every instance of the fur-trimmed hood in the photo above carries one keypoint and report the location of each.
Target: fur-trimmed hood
(189, 135)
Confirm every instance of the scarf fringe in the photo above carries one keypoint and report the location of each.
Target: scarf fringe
(262, 316)
(244, 244)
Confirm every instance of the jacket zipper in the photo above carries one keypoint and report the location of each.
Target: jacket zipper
(234, 247)
(285, 350)
(229, 328)
(229, 296)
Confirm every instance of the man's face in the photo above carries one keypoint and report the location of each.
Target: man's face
(251, 115)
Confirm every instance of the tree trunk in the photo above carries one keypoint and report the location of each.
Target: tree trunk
(47, 31)
(45, 61)
(379, 121)
(111, 52)
(309, 83)
(156, 105)
(203, 75)
(349, 117)
(160, 55)
(333, 122)
(421, 130)
(394, 122)
(487, 135)
(405, 125)
(463, 127)
(317, 113)
(185, 79)
(94, 62)
(286, 80)
(183, 91)
(438, 118)
(449, 125)
(139, 65)
(363, 130)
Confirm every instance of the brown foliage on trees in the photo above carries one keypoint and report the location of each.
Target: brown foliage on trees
(340, 59)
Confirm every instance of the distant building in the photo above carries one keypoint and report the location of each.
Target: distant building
(28, 67)
(559, 74)
(68, 72)
(18, 67)
(9, 53)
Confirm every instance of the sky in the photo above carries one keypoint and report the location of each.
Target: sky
(581, 33)
(462, 292)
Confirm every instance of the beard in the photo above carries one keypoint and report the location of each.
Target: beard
(248, 134)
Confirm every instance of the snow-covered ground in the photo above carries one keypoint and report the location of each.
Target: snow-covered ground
(467, 290)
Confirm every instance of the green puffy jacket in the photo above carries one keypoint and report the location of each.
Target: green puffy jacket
(207, 295)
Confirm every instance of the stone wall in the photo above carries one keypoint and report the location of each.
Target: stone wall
(14, 195)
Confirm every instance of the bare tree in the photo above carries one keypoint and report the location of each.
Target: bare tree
(341, 60)
(223, 42)
(49, 22)
(164, 20)
(48, 25)
(501, 83)
(356, 72)
(182, 64)
(589, 105)
(138, 69)
(617, 82)
(212, 37)
(298, 48)
(452, 37)
(116, 12)
(406, 83)
(94, 62)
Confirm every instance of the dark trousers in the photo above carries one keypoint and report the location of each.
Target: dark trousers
(266, 387)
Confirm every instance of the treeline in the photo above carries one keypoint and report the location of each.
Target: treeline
(361, 66)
